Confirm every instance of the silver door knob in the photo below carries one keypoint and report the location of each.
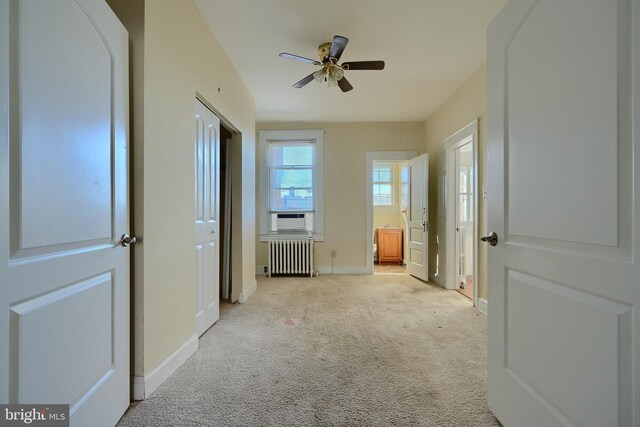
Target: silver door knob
(127, 240)
(491, 239)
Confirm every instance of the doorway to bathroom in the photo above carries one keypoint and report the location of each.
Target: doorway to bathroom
(386, 219)
(390, 190)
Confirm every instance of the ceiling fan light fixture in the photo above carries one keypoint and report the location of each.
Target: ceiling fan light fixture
(319, 75)
(334, 74)
(338, 73)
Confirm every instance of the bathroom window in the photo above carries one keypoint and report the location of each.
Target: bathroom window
(383, 185)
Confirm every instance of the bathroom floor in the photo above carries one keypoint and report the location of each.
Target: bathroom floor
(389, 268)
(466, 289)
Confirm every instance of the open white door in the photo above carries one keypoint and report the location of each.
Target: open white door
(207, 205)
(64, 276)
(417, 217)
(564, 201)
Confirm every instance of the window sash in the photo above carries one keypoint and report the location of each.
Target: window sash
(274, 167)
(381, 183)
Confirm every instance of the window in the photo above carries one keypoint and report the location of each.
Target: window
(383, 185)
(291, 177)
(291, 181)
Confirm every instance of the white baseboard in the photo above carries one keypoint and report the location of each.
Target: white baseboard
(244, 296)
(483, 305)
(137, 388)
(144, 386)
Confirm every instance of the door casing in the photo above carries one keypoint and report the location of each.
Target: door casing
(370, 156)
(464, 136)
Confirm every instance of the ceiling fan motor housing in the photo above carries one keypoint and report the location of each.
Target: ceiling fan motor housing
(323, 51)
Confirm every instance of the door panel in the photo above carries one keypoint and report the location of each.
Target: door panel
(564, 331)
(64, 277)
(532, 86)
(51, 321)
(207, 147)
(417, 217)
(73, 171)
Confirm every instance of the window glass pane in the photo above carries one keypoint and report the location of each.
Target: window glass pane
(385, 175)
(288, 178)
(382, 200)
(290, 199)
(382, 174)
(292, 155)
(382, 195)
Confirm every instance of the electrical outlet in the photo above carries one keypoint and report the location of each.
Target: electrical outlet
(265, 268)
(333, 253)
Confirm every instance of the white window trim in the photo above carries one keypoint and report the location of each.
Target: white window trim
(315, 136)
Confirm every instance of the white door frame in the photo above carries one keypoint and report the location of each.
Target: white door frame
(466, 135)
(236, 201)
(370, 156)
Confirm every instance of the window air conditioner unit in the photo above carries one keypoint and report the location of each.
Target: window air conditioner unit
(292, 221)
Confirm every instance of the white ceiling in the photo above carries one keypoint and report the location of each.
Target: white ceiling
(430, 48)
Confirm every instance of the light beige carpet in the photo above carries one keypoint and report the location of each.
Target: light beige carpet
(332, 351)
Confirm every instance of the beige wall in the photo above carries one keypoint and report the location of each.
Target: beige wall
(345, 145)
(465, 105)
(181, 58)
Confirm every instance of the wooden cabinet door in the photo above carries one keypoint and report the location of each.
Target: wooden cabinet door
(390, 245)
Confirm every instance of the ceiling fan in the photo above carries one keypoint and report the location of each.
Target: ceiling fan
(331, 71)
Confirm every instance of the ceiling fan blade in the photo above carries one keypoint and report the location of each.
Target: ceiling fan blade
(300, 58)
(363, 65)
(337, 47)
(344, 84)
(304, 81)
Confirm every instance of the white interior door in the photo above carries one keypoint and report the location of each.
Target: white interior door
(564, 200)
(64, 277)
(207, 213)
(417, 258)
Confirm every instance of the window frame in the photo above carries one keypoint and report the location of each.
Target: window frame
(315, 137)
